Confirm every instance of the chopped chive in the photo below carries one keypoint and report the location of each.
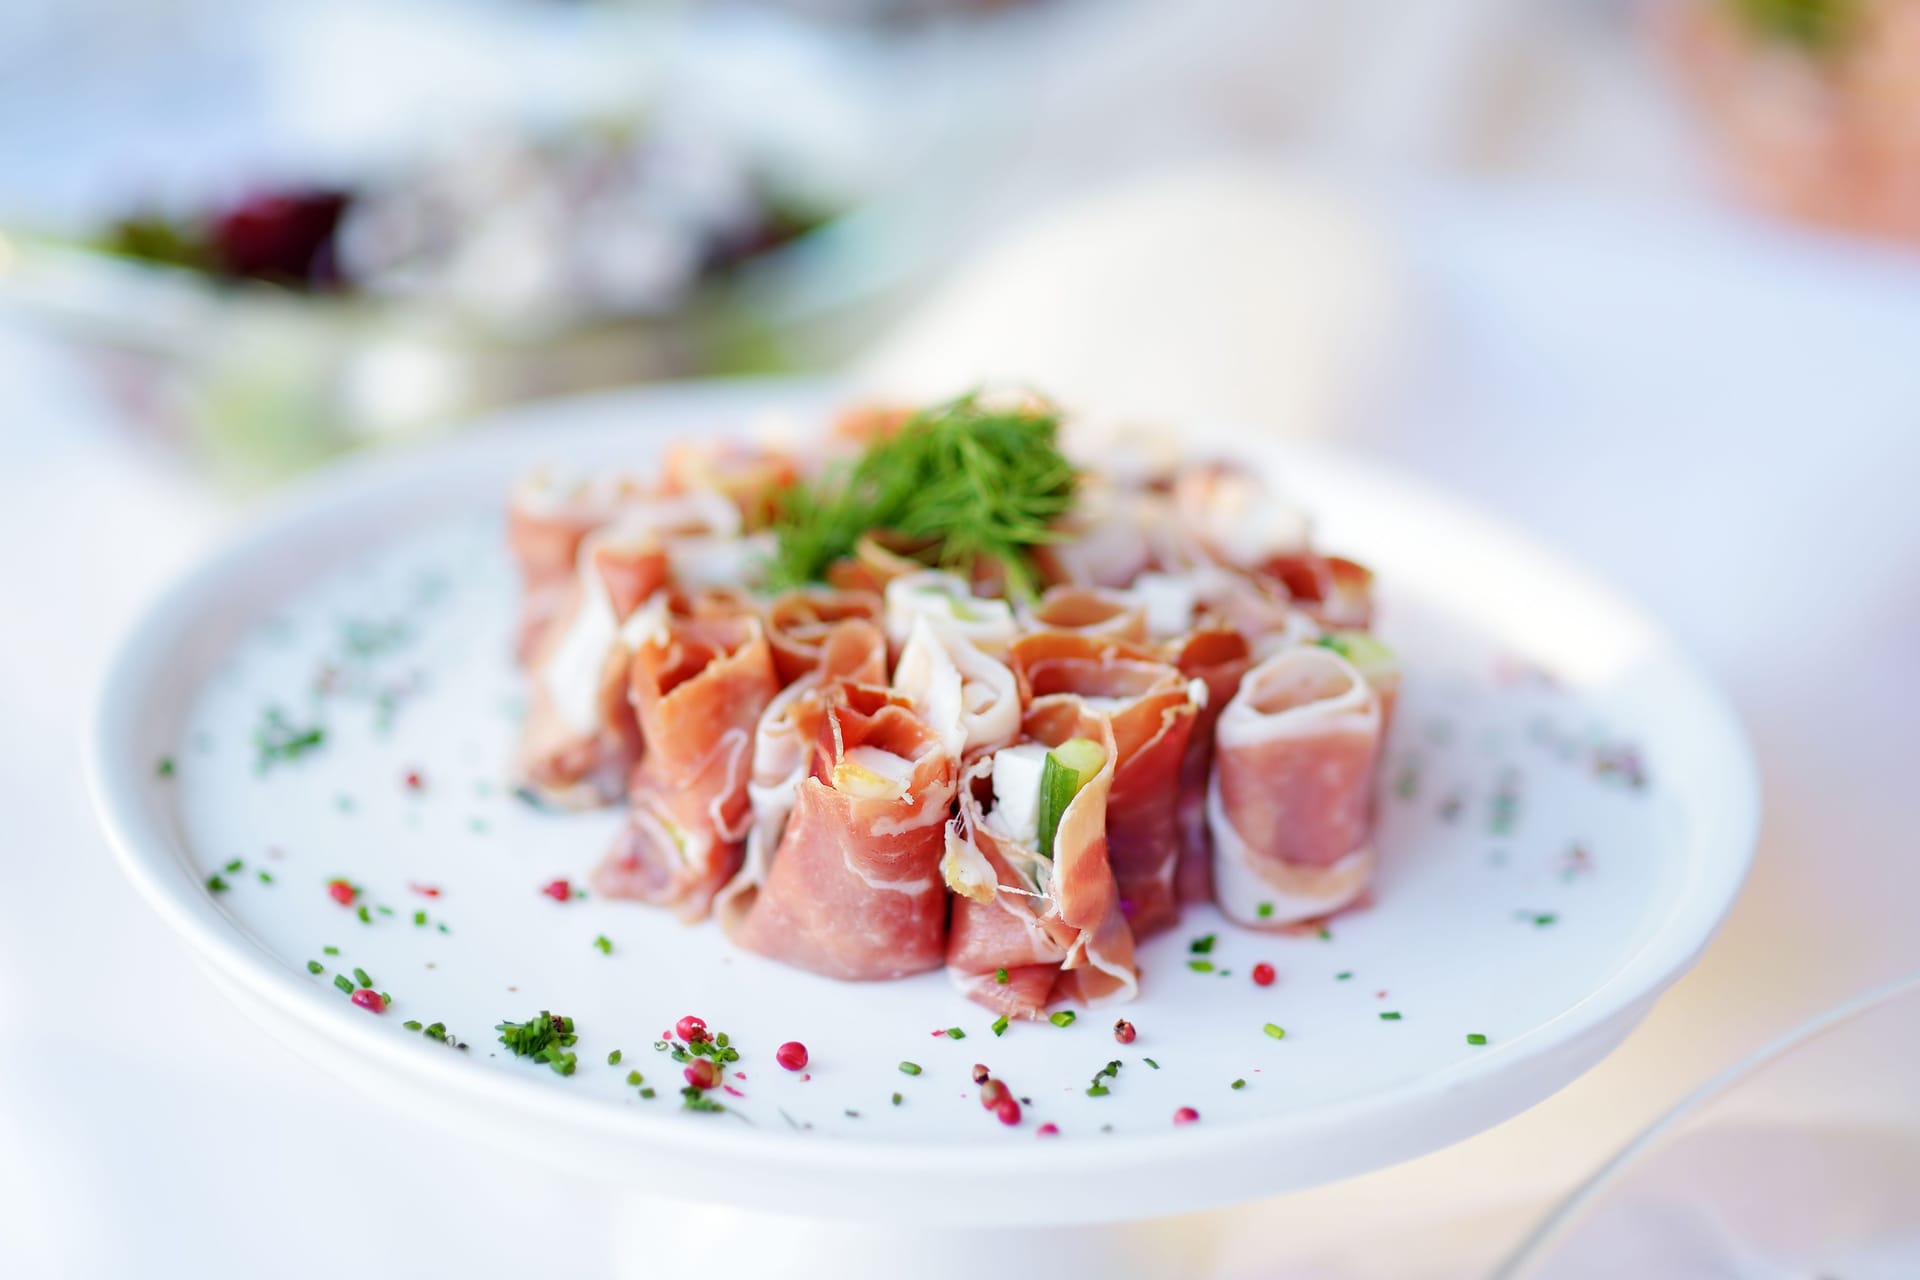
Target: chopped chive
(1097, 1091)
(1000, 976)
(343, 982)
(1202, 945)
(1343, 975)
(603, 945)
(235, 867)
(896, 1099)
(442, 926)
(613, 1059)
(1064, 1018)
(419, 918)
(1000, 1025)
(1275, 1030)
(1389, 1017)
(438, 1030)
(361, 911)
(314, 966)
(909, 1068)
(1150, 1062)
(634, 1077)
(1200, 966)
(165, 768)
(647, 1092)
(1326, 934)
(411, 1024)
(360, 976)
(266, 876)
(1239, 1084)
(216, 885)
(1264, 911)
(1475, 1037)
(332, 951)
(955, 1033)
(384, 910)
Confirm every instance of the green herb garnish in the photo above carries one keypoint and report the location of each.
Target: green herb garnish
(1064, 1018)
(1068, 767)
(909, 1068)
(544, 1039)
(1275, 1030)
(1000, 1025)
(1476, 1038)
(967, 481)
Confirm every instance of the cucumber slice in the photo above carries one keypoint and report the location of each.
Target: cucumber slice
(1069, 767)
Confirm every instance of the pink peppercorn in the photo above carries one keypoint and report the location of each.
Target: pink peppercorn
(992, 1093)
(1008, 1110)
(342, 892)
(1048, 1130)
(792, 1055)
(691, 1029)
(1263, 975)
(1185, 1115)
(558, 890)
(1123, 1031)
(702, 1074)
(370, 1000)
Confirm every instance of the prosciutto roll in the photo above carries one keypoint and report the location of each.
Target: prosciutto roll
(855, 890)
(973, 701)
(1290, 800)
(782, 741)
(580, 738)
(1151, 708)
(1091, 611)
(800, 624)
(548, 516)
(1335, 592)
(1218, 657)
(1054, 924)
(698, 686)
(945, 598)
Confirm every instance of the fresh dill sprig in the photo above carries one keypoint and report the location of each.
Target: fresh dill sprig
(971, 481)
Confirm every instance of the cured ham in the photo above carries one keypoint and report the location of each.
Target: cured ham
(800, 623)
(855, 891)
(1289, 802)
(698, 687)
(853, 650)
(1151, 708)
(1019, 714)
(1049, 919)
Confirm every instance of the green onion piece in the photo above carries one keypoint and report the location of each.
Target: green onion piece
(1064, 1018)
(1389, 1017)
(1264, 911)
(411, 1024)
(896, 1099)
(1000, 976)
(647, 1092)
(910, 1068)
(1097, 1091)
(955, 1033)
(419, 917)
(603, 945)
(332, 951)
(1239, 1084)
(1202, 945)
(314, 966)
(613, 1059)
(1150, 1062)
(1277, 1032)
(343, 982)
(216, 885)
(360, 976)
(1476, 1038)
(1200, 966)
(1343, 975)
(634, 1077)
(1068, 767)
(266, 876)
(165, 767)
(1000, 1025)
(362, 913)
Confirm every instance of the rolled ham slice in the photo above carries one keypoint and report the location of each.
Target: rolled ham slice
(973, 701)
(1151, 708)
(698, 686)
(800, 623)
(1218, 657)
(854, 649)
(1103, 612)
(580, 738)
(1290, 800)
(549, 514)
(1335, 592)
(946, 599)
(855, 890)
(1053, 925)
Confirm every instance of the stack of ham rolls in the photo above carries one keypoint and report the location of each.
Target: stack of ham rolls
(898, 769)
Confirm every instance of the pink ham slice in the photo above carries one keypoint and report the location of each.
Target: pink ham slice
(1289, 806)
(1217, 657)
(1055, 927)
(698, 685)
(1336, 593)
(783, 740)
(855, 891)
(800, 623)
(547, 520)
(1152, 708)
(580, 738)
(1102, 612)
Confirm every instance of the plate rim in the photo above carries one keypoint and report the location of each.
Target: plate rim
(144, 851)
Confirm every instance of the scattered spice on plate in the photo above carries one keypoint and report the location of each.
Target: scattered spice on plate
(372, 1001)
(1263, 974)
(603, 945)
(1389, 1017)
(1064, 1018)
(1185, 1115)
(792, 1055)
(910, 1068)
(1000, 1025)
(546, 1038)
(1279, 1032)
(1123, 1031)
(215, 884)
(1474, 1037)
(558, 890)
(1202, 945)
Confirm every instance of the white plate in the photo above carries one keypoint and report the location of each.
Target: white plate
(1482, 924)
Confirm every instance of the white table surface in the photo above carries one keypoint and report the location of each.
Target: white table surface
(1724, 420)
